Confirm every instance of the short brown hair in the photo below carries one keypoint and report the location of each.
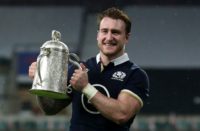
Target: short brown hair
(115, 13)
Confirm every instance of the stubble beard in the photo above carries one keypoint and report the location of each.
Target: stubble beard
(112, 55)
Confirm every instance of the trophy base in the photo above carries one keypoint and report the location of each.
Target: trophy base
(50, 94)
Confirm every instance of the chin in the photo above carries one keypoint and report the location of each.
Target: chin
(109, 54)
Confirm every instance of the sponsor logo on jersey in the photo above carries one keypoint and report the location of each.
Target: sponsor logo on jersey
(87, 105)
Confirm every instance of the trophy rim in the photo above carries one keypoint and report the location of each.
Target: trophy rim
(48, 93)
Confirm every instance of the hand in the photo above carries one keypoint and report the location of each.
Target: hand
(32, 70)
(79, 78)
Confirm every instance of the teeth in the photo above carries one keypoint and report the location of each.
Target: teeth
(110, 44)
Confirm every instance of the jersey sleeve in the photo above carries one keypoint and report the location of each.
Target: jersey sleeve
(138, 85)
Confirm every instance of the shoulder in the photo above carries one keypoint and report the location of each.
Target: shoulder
(138, 75)
(90, 62)
(138, 82)
(137, 70)
(141, 73)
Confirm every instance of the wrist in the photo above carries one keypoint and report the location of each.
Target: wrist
(89, 91)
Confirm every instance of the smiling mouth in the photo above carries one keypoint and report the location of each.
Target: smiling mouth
(110, 44)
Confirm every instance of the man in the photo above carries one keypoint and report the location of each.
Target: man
(109, 90)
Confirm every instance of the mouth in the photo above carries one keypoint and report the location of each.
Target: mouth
(110, 44)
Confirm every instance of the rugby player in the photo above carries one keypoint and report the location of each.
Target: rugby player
(110, 90)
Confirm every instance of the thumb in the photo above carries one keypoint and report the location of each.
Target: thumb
(83, 67)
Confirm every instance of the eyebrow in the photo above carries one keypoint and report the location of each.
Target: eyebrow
(112, 30)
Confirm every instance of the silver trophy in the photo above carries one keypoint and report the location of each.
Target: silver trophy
(50, 78)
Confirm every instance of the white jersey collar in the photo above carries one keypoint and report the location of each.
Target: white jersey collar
(117, 61)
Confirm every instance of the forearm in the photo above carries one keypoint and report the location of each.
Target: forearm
(52, 106)
(114, 109)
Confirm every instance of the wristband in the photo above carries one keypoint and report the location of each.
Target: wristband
(89, 91)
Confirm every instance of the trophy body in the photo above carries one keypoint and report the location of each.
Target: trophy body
(50, 78)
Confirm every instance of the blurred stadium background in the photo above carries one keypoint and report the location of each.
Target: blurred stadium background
(165, 42)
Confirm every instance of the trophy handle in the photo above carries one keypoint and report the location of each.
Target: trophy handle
(46, 53)
(73, 55)
(74, 62)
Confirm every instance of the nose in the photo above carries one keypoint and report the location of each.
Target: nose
(109, 36)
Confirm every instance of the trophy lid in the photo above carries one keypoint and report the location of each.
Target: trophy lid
(55, 43)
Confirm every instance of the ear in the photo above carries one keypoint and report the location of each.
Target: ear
(97, 35)
(127, 36)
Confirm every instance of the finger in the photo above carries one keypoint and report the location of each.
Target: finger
(83, 67)
(71, 82)
(34, 63)
(72, 77)
(73, 74)
(32, 69)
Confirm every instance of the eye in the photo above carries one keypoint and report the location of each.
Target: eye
(116, 32)
(104, 31)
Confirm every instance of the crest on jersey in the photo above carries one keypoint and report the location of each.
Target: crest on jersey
(119, 75)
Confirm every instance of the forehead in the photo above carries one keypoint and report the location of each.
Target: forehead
(110, 23)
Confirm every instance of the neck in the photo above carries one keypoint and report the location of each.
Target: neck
(105, 59)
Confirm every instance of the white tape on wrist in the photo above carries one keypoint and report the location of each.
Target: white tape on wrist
(89, 91)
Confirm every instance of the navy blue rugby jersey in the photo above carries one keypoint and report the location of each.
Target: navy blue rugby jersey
(119, 75)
